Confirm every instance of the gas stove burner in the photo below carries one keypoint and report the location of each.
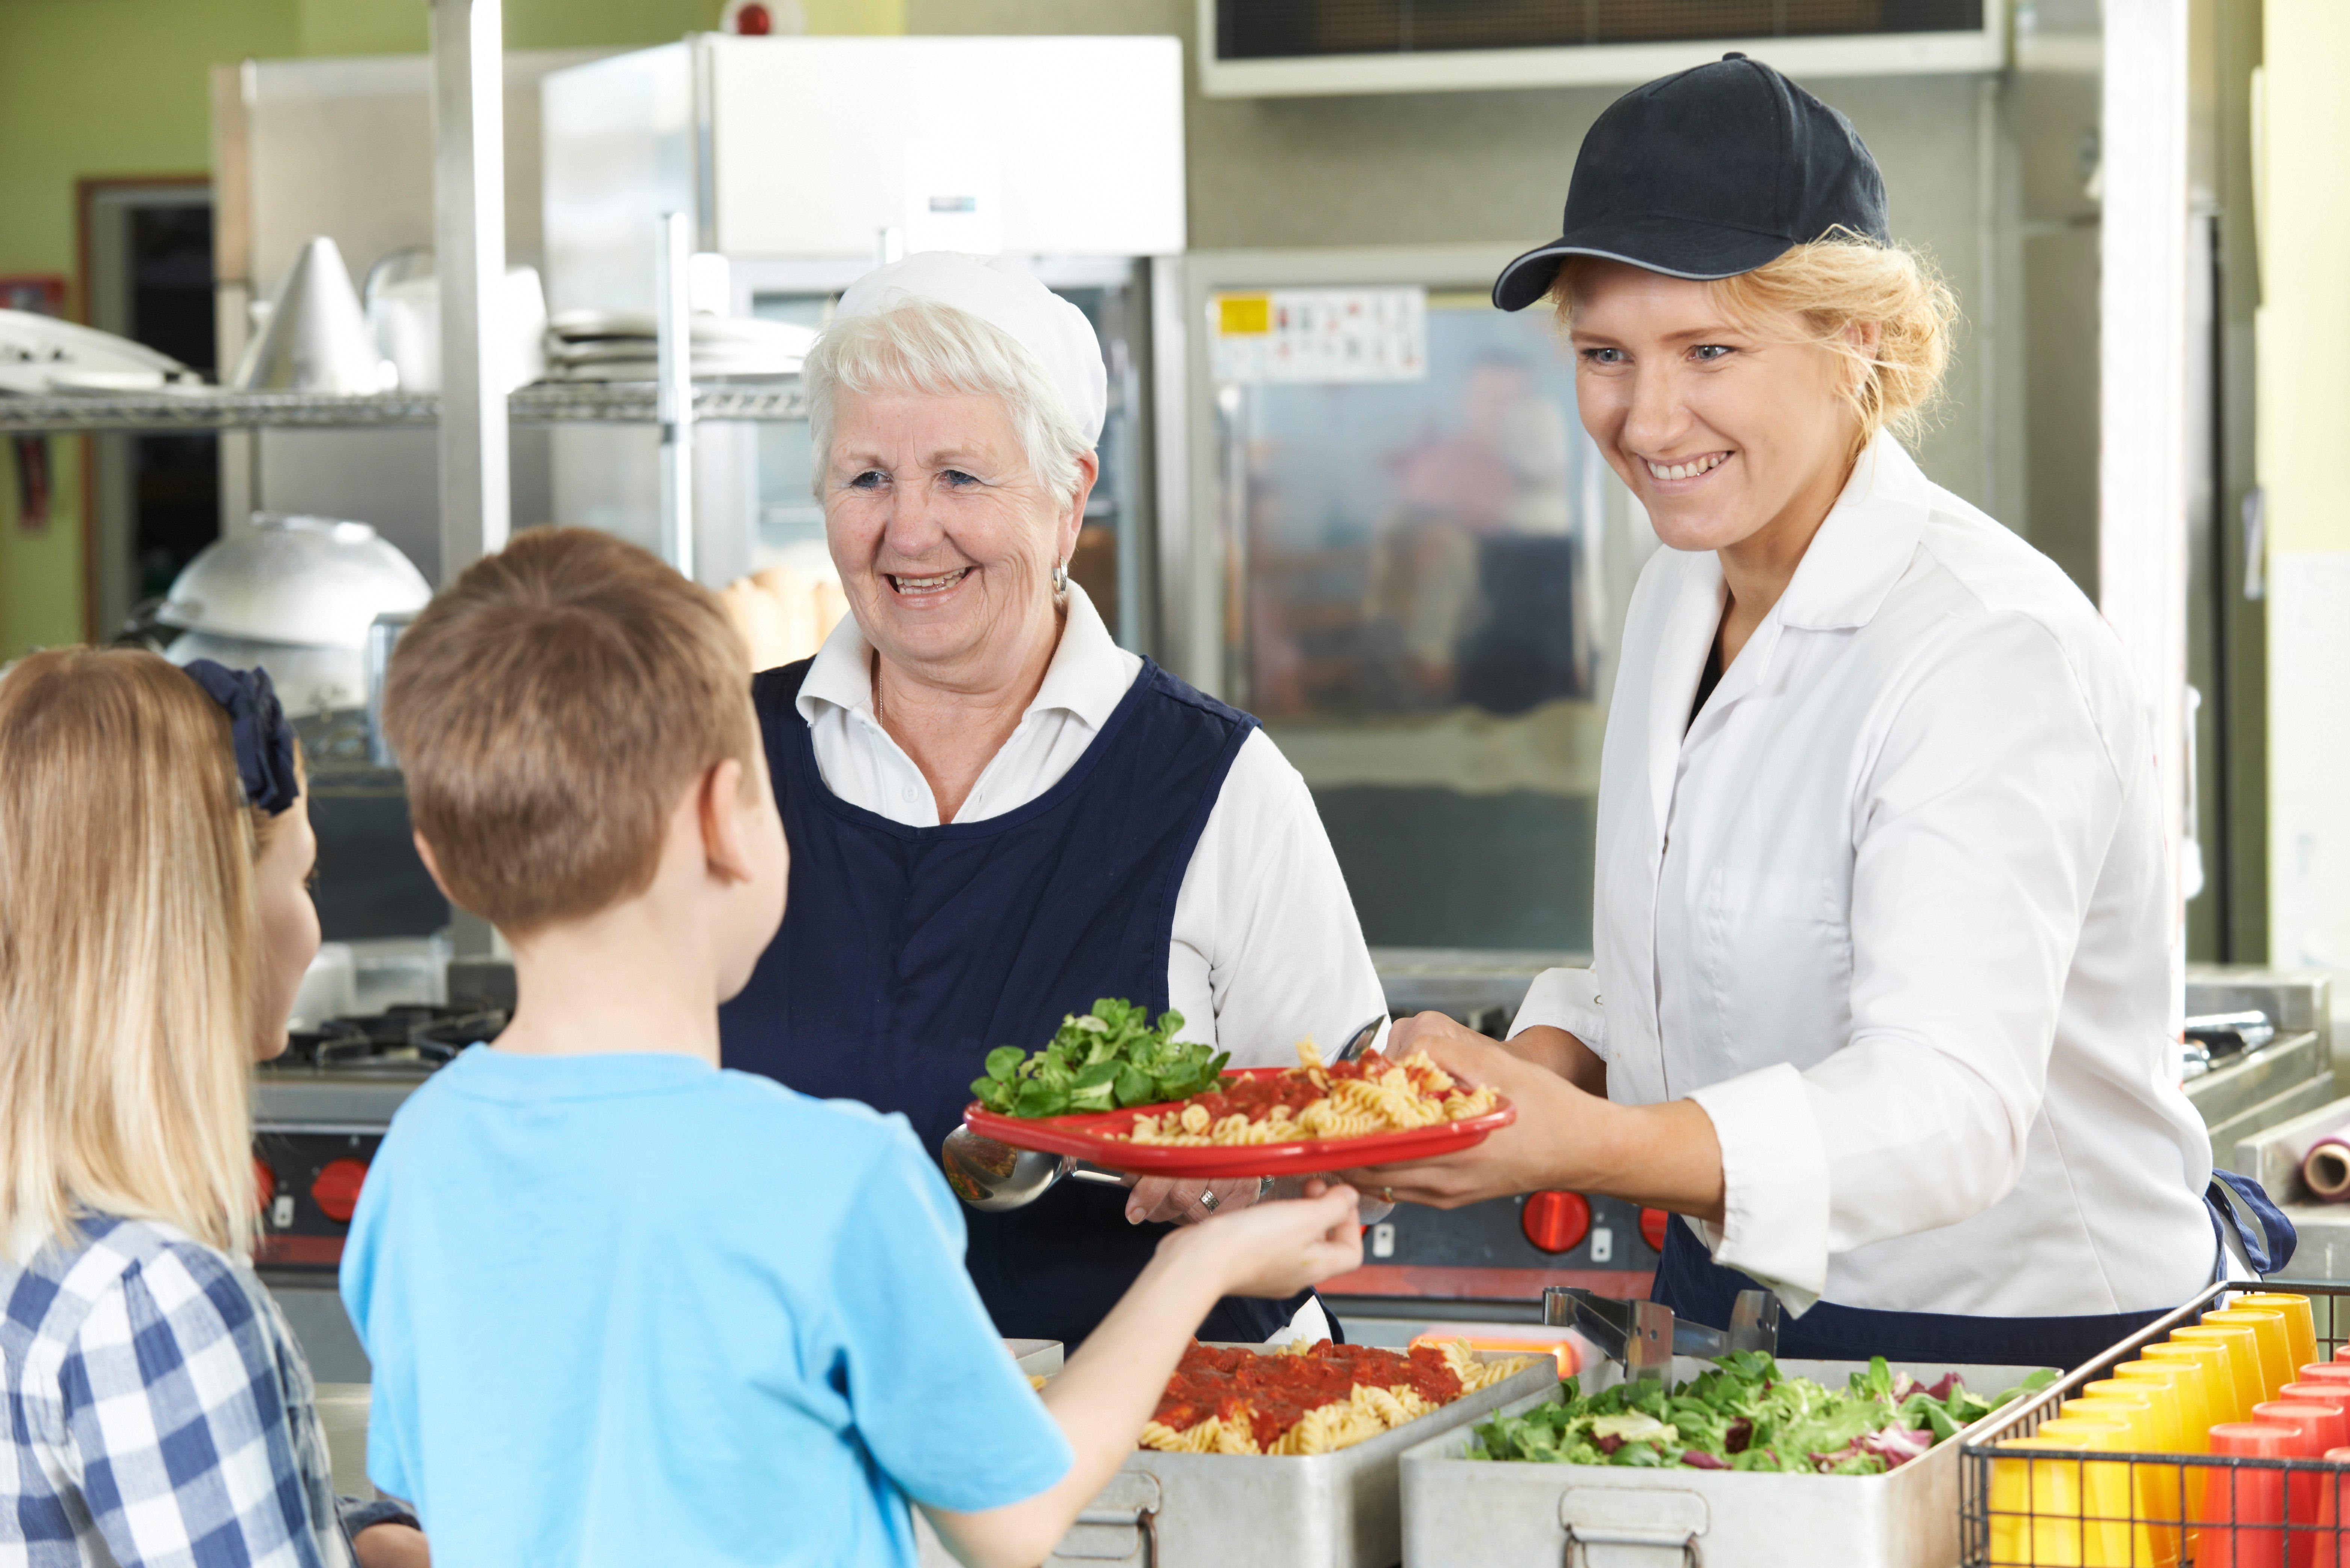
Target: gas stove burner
(412, 1035)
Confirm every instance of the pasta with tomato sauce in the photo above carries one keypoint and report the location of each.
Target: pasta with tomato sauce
(1345, 1099)
(1310, 1399)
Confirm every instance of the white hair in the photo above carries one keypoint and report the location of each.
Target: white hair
(928, 345)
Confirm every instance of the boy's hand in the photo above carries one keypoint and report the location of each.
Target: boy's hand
(1276, 1250)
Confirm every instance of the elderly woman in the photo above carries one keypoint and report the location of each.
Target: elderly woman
(995, 815)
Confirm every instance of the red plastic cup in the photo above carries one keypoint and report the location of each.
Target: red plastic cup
(2245, 1510)
(2317, 1427)
(2325, 1372)
(2319, 1391)
(2333, 1512)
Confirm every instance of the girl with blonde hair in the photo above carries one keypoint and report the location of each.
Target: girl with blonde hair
(155, 922)
(1878, 1007)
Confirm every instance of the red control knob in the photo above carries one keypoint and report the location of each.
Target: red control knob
(336, 1190)
(265, 1185)
(1652, 1228)
(1555, 1221)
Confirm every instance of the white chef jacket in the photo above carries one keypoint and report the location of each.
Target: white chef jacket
(1895, 910)
(1267, 951)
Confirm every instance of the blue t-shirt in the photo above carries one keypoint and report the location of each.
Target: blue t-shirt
(631, 1309)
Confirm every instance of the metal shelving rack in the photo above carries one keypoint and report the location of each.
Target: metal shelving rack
(576, 403)
(473, 412)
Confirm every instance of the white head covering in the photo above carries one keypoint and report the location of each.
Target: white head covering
(1002, 295)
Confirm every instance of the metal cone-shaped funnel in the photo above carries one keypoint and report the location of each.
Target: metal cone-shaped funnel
(318, 339)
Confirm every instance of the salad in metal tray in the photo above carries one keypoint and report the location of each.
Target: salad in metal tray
(1747, 1414)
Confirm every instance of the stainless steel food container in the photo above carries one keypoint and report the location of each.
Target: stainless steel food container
(1037, 1357)
(1235, 1510)
(1470, 1513)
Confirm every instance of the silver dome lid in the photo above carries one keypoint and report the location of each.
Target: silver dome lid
(313, 581)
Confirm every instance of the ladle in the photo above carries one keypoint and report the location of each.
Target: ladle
(994, 1177)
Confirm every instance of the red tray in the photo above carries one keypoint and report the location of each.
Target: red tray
(1085, 1136)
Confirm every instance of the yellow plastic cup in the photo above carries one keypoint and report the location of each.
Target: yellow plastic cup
(2167, 1433)
(2151, 1412)
(2300, 1324)
(2219, 1382)
(2275, 1340)
(2098, 1521)
(2243, 1353)
(2219, 1391)
(2035, 1507)
(2189, 1382)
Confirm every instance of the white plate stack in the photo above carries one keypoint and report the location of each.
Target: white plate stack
(617, 346)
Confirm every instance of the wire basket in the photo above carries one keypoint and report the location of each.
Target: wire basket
(2073, 1533)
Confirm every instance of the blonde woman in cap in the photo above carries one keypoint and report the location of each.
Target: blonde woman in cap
(1880, 1003)
(995, 815)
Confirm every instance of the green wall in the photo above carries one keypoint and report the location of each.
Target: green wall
(94, 87)
(122, 87)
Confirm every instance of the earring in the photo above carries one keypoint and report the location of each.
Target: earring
(1060, 577)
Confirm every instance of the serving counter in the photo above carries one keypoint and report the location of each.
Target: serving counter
(1340, 1509)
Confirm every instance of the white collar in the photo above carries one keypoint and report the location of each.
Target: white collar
(1865, 545)
(1088, 677)
(1858, 553)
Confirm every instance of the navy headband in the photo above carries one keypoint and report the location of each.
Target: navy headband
(257, 727)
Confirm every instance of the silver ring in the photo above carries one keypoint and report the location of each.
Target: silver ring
(1208, 1198)
(1386, 1195)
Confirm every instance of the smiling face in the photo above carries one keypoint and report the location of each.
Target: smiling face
(288, 922)
(945, 537)
(1728, 431)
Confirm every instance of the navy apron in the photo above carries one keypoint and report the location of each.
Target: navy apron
(1696, 1287)
(908, 954)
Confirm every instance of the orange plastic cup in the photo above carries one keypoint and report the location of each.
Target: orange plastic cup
(2273, 1337)
(2316, 1428)
(2243, 1361)
(2245, 1510)
(2301, 1327)
(2219, 1383)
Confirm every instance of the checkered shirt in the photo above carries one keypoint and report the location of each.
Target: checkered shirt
(160, 1412)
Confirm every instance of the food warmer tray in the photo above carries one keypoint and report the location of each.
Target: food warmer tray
(1341, 1510)
(1464, 1514)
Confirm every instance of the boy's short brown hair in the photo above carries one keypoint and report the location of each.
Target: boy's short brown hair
(549, 707)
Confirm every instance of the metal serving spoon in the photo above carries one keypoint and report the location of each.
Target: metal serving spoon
(1642, 1336)
(994, 1177)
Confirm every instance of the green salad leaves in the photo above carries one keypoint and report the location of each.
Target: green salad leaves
(1746, 1415)
(1104, 1060)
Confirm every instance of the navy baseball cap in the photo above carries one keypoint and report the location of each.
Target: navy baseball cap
(1705, 174)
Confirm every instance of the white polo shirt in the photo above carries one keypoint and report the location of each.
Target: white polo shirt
(1267, 951)
(1896, 911)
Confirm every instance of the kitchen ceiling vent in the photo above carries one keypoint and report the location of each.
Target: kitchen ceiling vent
(1281, 48)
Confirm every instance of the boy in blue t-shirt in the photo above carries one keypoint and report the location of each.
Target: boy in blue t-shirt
(627, 1308)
